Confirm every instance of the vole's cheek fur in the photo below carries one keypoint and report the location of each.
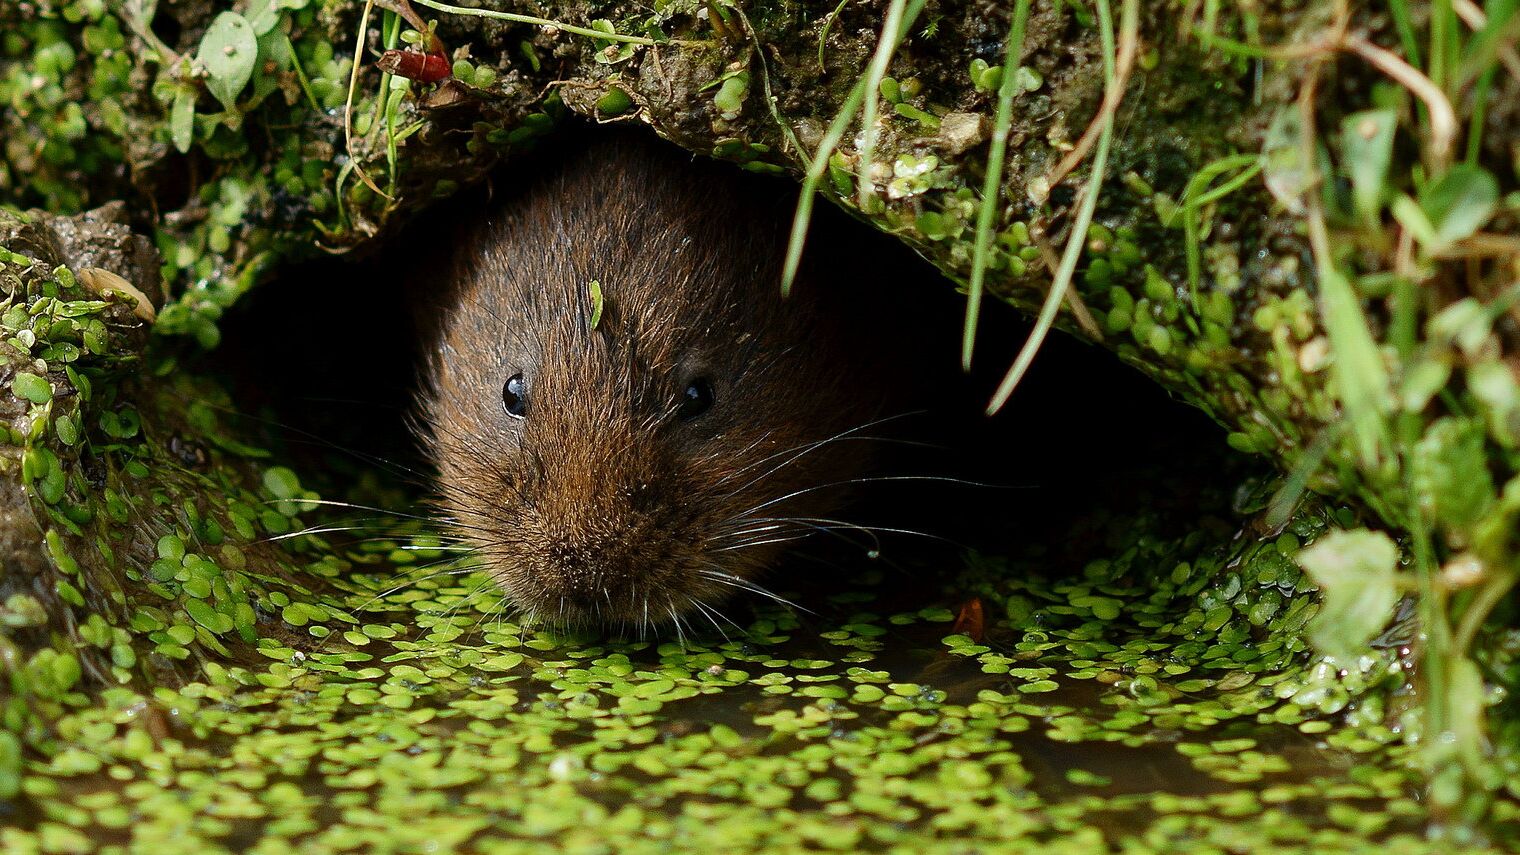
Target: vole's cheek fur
(602, 505)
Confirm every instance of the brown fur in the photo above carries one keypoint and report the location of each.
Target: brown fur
(601, 506)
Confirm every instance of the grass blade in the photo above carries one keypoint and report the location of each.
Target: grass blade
(992, 185)
(1078, 238)
(831, 137)
(900, 16)
(816, 168)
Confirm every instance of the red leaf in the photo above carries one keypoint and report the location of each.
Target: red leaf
(971, 621)
(416, 65)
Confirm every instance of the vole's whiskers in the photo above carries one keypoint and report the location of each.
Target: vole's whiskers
(714, 611)
(324, 528)
(364, 606)
(396, 589)
(740, 530)
(751, 537)
(800, 451)
(675, 618)
(752, 544)
(460, 443)
(846, 482)
(406, 473)
(491, 612)
(465, 601)
(701, 607)
(333, 503)
(833, 526)
(528, 621)
(716, 574)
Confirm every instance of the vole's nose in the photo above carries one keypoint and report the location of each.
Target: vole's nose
(588, 574)
(578, 566)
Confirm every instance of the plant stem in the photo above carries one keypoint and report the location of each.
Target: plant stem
(531, 19)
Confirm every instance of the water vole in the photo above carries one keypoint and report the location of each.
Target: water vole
(628, 422)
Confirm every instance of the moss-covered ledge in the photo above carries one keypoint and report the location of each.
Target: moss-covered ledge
(1305, 226)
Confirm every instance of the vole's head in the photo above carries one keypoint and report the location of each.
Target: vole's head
(628, 421)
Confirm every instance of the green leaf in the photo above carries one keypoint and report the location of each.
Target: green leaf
(32, 387)
(1450, 473)
(1367, 149)
(1360, 378)
(1412, 217)
(1286, 174)
(1357, 574)
(10, 765)
(932, 225)
(282, 482)
(1460, 202)
(275, 47)
(67, 429)
(1495, 385)
(262, 15)
(620, 50)
(597, 303)
(1422, 379)
(615, 103)
(202, 613)
(986, 78)
(1465, 323)
(182, 120)
(1467, 696)
(120, 425)
(229, 52)
(908, 111)
(730, 97)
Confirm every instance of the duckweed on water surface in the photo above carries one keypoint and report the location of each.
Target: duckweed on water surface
(431, 723)
(1319, 254)
(256, 694)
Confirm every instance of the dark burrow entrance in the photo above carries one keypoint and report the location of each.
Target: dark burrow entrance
(331, 383)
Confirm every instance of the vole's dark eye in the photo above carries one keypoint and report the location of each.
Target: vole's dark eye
(515, 396)
(696, 400)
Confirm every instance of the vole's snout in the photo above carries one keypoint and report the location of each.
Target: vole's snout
(587, 574)
(603, 562)
(577, 571)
